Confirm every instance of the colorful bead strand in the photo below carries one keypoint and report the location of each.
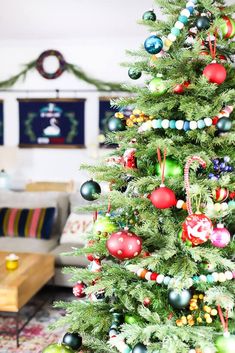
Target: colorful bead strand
(179, 25)
(167, 280)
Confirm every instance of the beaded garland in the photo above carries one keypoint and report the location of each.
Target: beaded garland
(167, 280)
(149, 122)
(185, 125)
(178, 26)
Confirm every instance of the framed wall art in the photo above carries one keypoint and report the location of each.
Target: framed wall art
(51, 123)
(1, 123)
(106, 111)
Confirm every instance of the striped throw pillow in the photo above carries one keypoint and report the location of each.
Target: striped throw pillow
(30, 223)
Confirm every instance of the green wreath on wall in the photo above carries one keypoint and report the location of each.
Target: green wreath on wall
(63, 66)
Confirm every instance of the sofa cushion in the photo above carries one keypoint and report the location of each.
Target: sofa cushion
(27, 245)
(30, 223)
(62, 260)
(76, 228)
(28, 199)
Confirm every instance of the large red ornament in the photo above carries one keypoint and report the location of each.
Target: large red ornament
(197, 229)
(78, 290)
(215, 73)
(163, 197)
(124, 245)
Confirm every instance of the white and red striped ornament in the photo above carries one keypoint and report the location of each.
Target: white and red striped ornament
(220, 194)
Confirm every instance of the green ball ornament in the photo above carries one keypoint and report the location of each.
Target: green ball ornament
(134, 74)
(225, 344)
(131, 319)
(105, 225)
(172, 169)
(116, 124)
(57, 348)
(89, 190)
(179, 300)
(157, 86)
(149, 16)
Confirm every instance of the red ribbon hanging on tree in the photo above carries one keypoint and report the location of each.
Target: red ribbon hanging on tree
(212, 47)
(95, 215)
(162, 163)
(224, 321)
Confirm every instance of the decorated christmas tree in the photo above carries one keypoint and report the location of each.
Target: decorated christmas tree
(161, 274)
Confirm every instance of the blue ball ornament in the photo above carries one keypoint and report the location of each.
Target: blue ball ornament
(153, 44)
(215, 161)
(179, 300)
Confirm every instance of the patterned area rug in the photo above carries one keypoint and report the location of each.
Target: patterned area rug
(36, 334)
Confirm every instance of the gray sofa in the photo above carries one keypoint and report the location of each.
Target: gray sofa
(64, 203)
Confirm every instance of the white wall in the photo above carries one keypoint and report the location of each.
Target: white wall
(98, 51)
(54, 164)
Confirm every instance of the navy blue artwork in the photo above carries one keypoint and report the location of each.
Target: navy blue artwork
(105, 113)
(52, 122)
(1, 123)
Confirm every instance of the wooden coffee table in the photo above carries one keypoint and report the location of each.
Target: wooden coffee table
(17, 287)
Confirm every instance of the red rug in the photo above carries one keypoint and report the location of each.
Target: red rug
(36, 334)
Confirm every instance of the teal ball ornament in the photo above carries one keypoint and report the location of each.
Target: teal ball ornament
(72, 340)
(157, 86)
(203, 23)
(134, 74)
(57, 348)
(90, 190)
(139, 348)
(149, 16)
(172, 169)
(179, 300)
(153, 44)
(225, 344)
(116, 124)
(224, 124)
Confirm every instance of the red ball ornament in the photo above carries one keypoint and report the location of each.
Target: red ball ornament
(220, 194)
(147, 301)
(197, 228)
(179, 89)
(124, 245)
(215, 73)
(78, 290)
(163, 197)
